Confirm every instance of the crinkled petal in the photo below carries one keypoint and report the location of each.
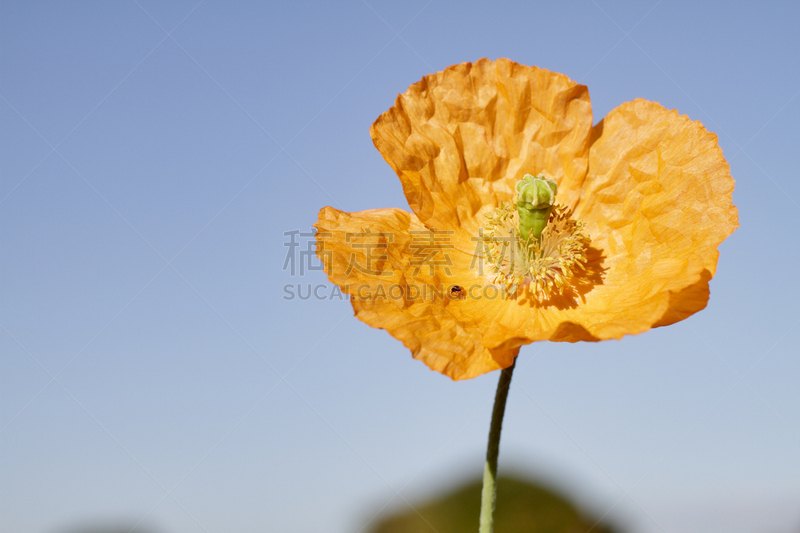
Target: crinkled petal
(461, 138)
(657, 204)
(400, 282)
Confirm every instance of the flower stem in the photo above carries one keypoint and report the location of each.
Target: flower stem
(489, 493)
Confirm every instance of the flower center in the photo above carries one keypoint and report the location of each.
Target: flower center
(535, 245)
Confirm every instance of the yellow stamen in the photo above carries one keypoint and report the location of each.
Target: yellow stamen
(545, 265)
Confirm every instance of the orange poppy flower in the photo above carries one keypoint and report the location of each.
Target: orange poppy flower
(644, 196)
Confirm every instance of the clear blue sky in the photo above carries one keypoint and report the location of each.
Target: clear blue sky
(154, 153)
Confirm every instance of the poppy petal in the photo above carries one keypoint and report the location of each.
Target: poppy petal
(383, 258)
(461, 138)
(656, 203)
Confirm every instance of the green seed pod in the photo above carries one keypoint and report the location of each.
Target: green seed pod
(535, 199)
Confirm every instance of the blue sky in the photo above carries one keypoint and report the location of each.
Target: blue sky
(154, 154)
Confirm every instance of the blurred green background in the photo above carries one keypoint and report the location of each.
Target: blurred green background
(522, 507)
